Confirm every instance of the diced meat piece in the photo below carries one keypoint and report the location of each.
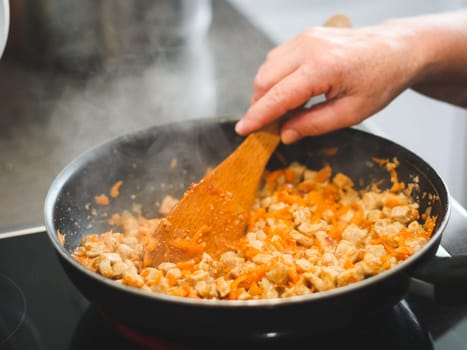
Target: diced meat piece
(416, 244)
(354, 234)
(374, 214)
(167, 204)
(105, 268)
(318, 283)
(262, 258)
(269, 291)
(133, 279)
(350, 276)
(372, 200)
(151, 276)
(206, 289)
(416, 227)
(278, 274)
(346, 251)
(298, 169)
(223, 286)
(304, 264)
(387, 227)
(302, 239)
(347, 216)
(310, 228)
(342, 181)
(402, 213)
(302, 216)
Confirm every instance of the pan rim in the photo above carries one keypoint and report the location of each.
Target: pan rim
(64, 174)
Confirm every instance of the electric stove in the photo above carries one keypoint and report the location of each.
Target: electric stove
(41, 309)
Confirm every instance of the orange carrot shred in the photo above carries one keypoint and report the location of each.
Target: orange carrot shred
(102, 199)
(115, 190)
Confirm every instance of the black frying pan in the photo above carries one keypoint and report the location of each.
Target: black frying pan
(142, 160)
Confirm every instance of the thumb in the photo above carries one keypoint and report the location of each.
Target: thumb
(322, 118)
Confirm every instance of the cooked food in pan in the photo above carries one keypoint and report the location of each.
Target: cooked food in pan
(309, 231)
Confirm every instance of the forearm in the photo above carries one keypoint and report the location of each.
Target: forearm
(441, 44)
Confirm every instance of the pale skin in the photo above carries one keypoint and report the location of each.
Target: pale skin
(359, 71)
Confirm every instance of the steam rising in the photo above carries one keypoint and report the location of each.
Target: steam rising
(142, 160)
(68, 87)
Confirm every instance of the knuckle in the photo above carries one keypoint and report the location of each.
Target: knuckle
(307, 70)
(276, 99)
(260, 83)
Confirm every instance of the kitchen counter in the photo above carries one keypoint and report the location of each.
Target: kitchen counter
(49, 114)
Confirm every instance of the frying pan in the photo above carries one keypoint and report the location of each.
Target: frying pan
(142, 160)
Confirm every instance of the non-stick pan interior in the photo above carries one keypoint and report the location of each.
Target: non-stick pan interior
(166, 159)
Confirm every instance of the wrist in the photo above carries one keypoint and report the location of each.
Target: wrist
(438, 46)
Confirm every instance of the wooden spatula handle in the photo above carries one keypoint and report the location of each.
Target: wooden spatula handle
(338, 21)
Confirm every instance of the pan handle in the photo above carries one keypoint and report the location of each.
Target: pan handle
(443, 279)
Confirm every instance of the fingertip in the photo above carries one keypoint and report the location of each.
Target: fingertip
(289, 136)
(240, 127)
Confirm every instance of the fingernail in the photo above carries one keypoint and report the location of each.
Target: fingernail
(289, 136)
(239, 127)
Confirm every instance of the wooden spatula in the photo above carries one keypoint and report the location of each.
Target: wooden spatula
(212, 215)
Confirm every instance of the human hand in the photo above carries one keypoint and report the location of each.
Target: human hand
(359, 71)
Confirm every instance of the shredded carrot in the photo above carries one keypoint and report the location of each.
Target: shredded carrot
(61, 238)
(255, 289)
(380, 161)
(102, 199)
(289, 175)
(115, 190)
(324, 174)
(188, 265)
(396, 185)
(234, 287)
(272, 177)
(330, 151)
(179, 292)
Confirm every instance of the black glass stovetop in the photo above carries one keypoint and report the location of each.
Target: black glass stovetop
(41, 309)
